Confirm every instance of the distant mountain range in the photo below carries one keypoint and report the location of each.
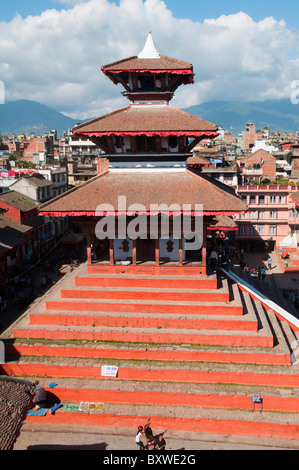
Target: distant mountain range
(278, 115)
(24, 116)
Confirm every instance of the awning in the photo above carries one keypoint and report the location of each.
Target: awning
(73, 239)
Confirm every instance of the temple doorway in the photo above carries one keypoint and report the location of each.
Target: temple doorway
(145, 250)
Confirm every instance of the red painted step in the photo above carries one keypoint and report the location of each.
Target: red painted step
(226, 309)
(178, 271)
(149, 354)
(150, 282)
(204, 425)
(241, 402)
(154, 375)
(155, 338)
(135, 322)
(144, 295)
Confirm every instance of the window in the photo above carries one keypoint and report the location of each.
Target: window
(252, 200)
(243, 215)
(281, 199)
(242, 229)
(146, 82)
(261, 214)
(251, 230)
(262, 199)
(141, 143)
(272, 198)
(273, 214)
(173, 141)
(272, 230)
(253, 215)
(244, 198)
(145, 144)
(260, 229)
(292, 213)
(118, 142)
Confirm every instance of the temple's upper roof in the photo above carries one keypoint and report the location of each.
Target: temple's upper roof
(135, 63)
(146, 187)
(148, 119)
(149, 60)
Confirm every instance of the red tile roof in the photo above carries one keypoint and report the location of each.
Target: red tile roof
(146, 187)
(15, 399)
(134, 63)
(147, 119)
(222, 222)
(295, 197)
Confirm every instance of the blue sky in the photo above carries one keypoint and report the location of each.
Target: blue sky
(197, 10)
(238, 52)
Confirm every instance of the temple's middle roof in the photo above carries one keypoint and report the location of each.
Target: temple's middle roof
(149, 119)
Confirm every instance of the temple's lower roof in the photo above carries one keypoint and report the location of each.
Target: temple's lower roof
(176, 190)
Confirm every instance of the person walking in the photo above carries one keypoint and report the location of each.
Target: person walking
(269, 262)
(138, 438)
(263, 273)
(213, 259)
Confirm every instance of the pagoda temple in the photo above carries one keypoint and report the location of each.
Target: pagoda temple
(133, 211)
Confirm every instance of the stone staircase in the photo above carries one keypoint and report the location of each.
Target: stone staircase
(191, 350)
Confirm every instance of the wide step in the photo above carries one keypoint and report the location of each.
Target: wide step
(147, 282)
(202, 425)
(231, 323)
(204, 296)
(198, 308)
(154, 375)
(146, 354)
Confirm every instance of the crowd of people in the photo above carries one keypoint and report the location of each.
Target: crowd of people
(222, 258)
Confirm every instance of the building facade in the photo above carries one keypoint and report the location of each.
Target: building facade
(271, 217)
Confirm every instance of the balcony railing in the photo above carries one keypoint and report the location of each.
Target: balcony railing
(251, 171)
(264, 187)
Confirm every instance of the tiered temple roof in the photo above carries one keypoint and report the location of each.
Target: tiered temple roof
(147, 187)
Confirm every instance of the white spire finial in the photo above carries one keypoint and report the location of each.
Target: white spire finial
(149, 51)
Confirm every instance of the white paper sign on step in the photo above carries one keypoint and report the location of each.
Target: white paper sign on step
(109, 371)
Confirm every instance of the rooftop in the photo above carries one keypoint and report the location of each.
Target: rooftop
(149, 119)
(17, 200)
(12, 232)
(295, 197)
(146, 187)
(15, 399)
(36, 180)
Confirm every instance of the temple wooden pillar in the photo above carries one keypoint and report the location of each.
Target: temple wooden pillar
(181, 253)
(111, 252)
(157, 252)
(134, 253)
(88, 240)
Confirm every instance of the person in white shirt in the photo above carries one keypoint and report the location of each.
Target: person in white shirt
(138, 438)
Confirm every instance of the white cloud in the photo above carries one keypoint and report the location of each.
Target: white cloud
(56, 58)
